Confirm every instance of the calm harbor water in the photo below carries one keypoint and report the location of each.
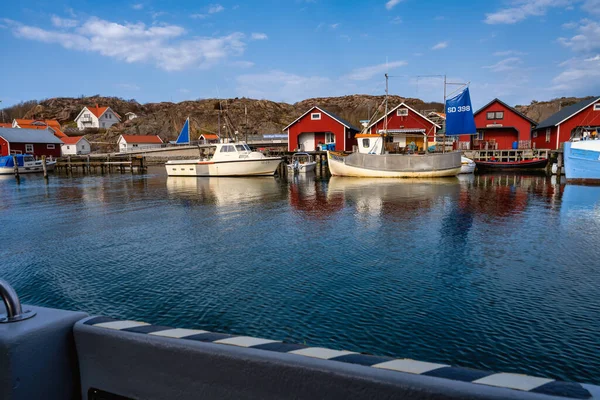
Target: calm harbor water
(497, 272)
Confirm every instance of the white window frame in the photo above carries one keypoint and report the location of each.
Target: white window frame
(330, 136)
(597, 107)
(548, 134)
(480, 135)
(315, 116)
(535, 134)
(27, 147)
(68, 147)
(402, 112)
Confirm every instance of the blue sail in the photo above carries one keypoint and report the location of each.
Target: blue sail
(459, 115)
(184, 135)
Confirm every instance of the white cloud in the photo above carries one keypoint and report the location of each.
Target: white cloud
(392, 3)
(63, 22)
(578, 76)
(282, 86)
(509, 53)
(508, 64)
(440, 46)
(522, 9)
(396, 21)
(595, 58)
(259, 36)
(242, 64)
(184, 90)
(592, 6)
(198, 16)
(334, 26)
(587, 38)
(162, 45)
(366, 73)
(138, 6)
(215, 8)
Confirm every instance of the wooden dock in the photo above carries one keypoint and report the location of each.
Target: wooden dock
(511, 155)
(101, 164)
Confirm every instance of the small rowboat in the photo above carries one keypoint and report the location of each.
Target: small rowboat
(535, 163)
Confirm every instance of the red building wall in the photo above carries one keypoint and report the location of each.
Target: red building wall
(587, 117)
(504, 137)
(412, 121)
(319, 127)
(39, 149)
(540, 141)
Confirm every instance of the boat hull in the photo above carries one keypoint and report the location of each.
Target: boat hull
(434, 165)
(513, 166)
(29, 169)
(247, 167)
(582, 161)
(303, 168)
(467, 165)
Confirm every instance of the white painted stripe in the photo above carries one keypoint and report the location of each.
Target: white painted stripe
(513, 381)
(177, 333)
(245, 341)
(319, 352)
(410, 366)
(118, 325)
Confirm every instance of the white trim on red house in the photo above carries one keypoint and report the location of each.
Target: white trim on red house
(574, 114)
(303, 115)
(411, 109)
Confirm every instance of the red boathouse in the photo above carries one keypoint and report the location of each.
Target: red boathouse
(29, 141)
(499, 126)
(407, 127)
(320, 127)
(570, 122)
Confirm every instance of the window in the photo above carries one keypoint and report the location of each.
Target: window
(548, 133)
(227, 149)
(329, 137)
(68, 147)
(103, 125)
(597, 107)
(495, 115)
(535, 134)
(366, 143)
(315, 116)
(480, 135)
(491, 115)
(402, 112)
(135, 145)
(50, 146)
(83, 147)
(28, 148)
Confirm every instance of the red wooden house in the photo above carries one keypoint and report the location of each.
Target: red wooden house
(318, 126)
(39, 143)
(406, 126)
(499, 126)
(570, 122)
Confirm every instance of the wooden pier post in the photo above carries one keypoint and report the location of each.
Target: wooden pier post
(131, 164)
(16, 169)
(142, 168)
(44, 167)
(89, 168)
(559, 164)
(69, 166)
(108, 163)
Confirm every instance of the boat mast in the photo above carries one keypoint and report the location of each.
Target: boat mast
(385, 120)
(444, 135)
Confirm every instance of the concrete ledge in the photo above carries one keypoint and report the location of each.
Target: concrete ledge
(142, 361)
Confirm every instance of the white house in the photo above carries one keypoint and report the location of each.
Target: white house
(129, 143)
(130, 116)
(97, 117)
(75, 145)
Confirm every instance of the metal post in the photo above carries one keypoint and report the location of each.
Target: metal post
(44, 167)
(14, 311)
(16, 169)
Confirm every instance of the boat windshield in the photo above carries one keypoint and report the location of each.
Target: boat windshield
(28, 159)
(241, 147)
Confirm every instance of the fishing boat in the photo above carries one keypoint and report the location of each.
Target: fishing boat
(582, 161)
(26, 163)
(302, 163)
(229, 159)
(467, 166)
(497, 165)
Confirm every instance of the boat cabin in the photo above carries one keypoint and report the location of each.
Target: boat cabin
(8, 161)
(227, 151)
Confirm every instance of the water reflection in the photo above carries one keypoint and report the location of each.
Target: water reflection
(224, 191)
(308, 195)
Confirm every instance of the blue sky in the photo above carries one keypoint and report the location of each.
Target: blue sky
(150, 50)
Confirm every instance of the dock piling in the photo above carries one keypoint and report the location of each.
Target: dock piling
(45, 168)
(16, 169)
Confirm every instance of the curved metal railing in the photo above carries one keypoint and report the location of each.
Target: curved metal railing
(14, 311)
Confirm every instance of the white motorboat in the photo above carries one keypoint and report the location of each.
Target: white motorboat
(302, 163)
(26, 163)
(467, 166)
(229, 159)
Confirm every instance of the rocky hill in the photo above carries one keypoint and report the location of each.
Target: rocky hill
(246, 115)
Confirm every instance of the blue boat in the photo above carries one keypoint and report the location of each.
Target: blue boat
(582, 161)
(26, 163)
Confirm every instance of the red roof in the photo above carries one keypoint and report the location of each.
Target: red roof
(98, 111)
(29, 126)
(210, 136)
(5, 125)
(146, 139)
(71, 140)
